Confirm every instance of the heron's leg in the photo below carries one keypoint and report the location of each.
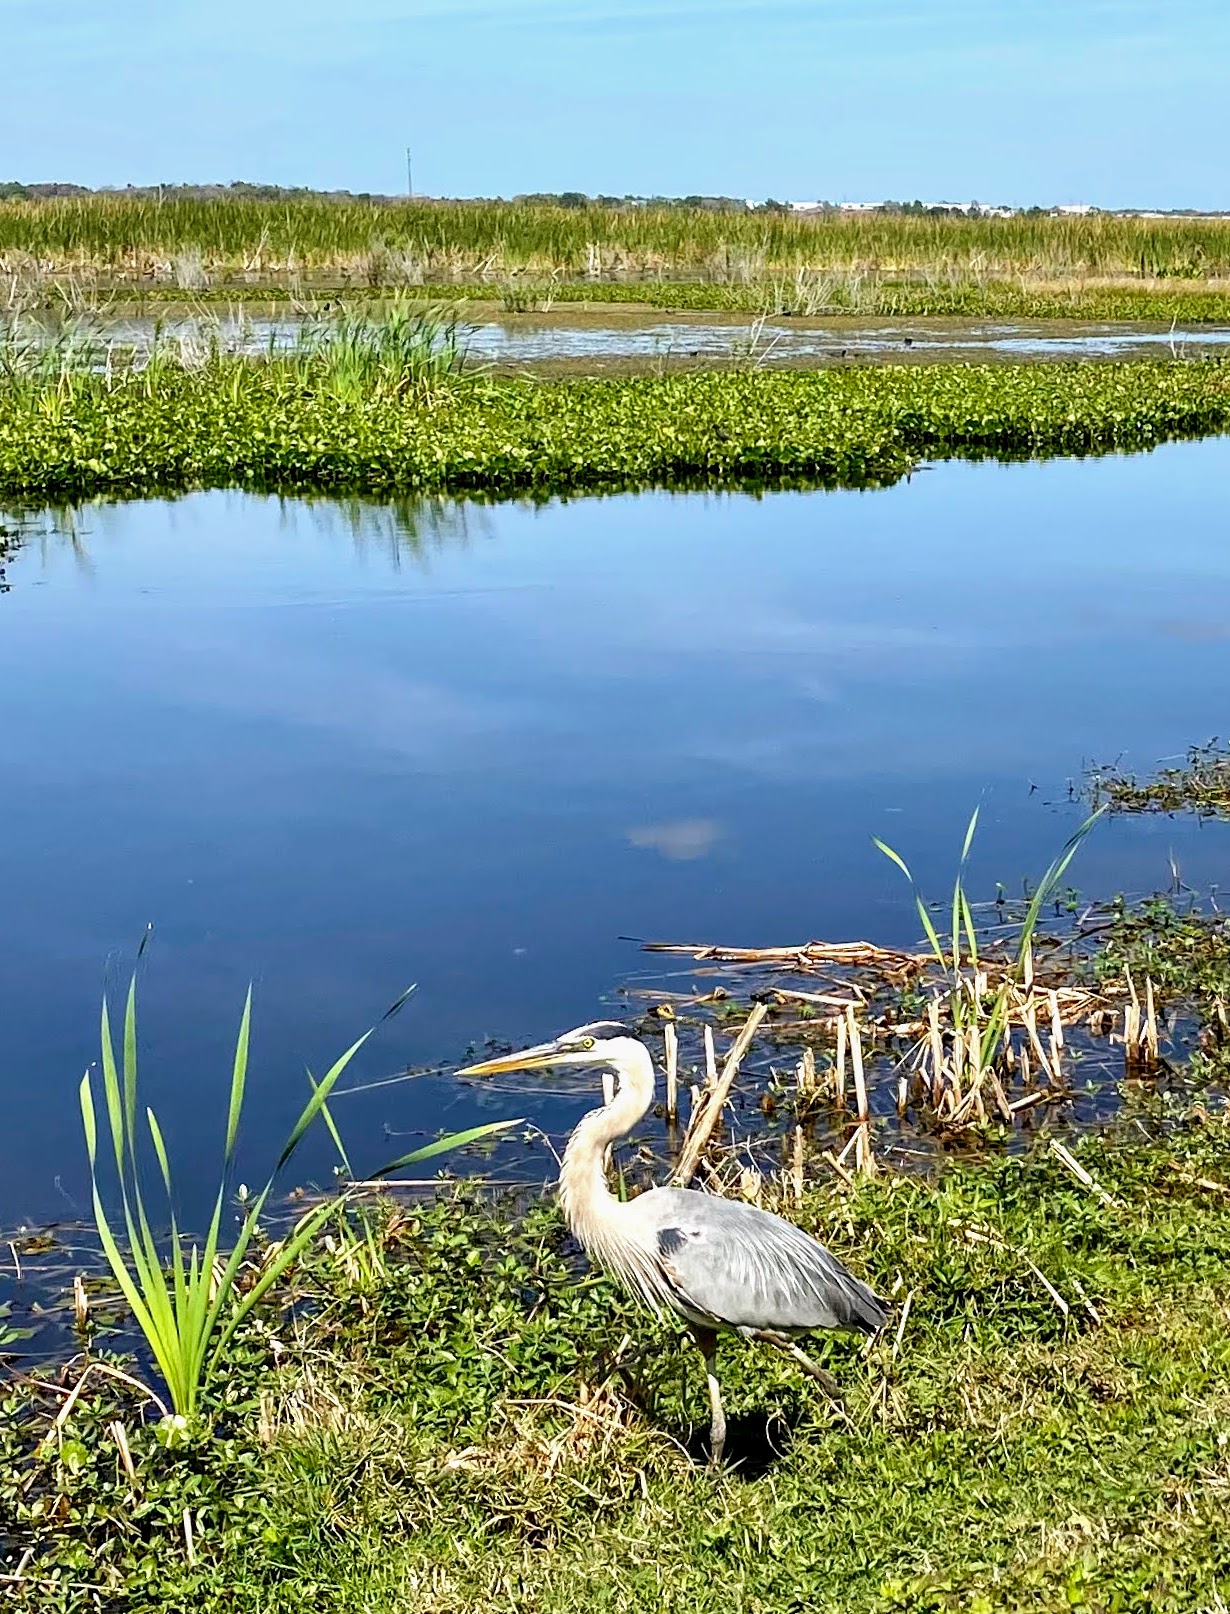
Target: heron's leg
(783, 1343)
(706, 1340)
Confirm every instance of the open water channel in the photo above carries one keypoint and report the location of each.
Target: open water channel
(333, 748)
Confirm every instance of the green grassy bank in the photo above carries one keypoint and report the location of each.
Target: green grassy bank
(444, 1419)
(330, 421)
(817, 295)
(811, 294)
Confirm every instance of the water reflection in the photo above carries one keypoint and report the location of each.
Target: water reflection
(336, 746)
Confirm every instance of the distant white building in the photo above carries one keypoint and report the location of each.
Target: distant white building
(1075, 208)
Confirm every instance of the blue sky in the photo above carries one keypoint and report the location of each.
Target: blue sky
(1117, 102)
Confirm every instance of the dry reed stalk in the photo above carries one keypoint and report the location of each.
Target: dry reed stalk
(797, 1164)
(839, 1067)
(671, 1039)
(1131, 1024)
(863, 1156)
(1067, 1159)
(843, 953)
(936, 1043)
(711, 1074)
(120, 1436)
(1056, 1065)
(708, 1111)
(901, 1322)
(789, 994)
(1028, 1102)
(81, 1302)
(831, 1159)
(1030, 1021)
(978, 1235)
(856, 1060)
(1056, 1021)
(1152, 1044)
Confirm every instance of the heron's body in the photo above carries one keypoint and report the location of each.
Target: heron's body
(718, 1263)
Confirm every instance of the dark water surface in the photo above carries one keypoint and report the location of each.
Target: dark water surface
(337, 748)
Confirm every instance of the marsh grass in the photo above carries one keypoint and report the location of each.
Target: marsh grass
(396, 352)
(474, 1424)
(390, 241)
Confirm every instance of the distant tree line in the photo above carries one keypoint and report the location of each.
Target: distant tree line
(245, 190)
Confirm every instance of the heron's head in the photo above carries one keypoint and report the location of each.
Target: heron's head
(604, 1042)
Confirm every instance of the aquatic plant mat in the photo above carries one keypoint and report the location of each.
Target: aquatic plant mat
(1200, 784)
(440, 1414)
(375, 415)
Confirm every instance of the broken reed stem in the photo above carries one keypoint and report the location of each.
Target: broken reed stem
(671, 1039)
(708, 1113)
(862, 1152)
(839, 1068)
(711, 1074)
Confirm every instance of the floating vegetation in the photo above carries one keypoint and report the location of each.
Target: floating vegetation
(1200, 785)
(318, 417)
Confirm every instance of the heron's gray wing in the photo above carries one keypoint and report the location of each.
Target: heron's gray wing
(746, 1268)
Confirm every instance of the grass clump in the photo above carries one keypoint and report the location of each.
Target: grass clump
(465, 1425)
(188, 1300)
(280, 422)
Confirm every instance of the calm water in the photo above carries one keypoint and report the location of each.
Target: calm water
(335, 749)
(571, 337)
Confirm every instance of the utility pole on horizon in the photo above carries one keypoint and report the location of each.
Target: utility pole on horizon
(409, 175)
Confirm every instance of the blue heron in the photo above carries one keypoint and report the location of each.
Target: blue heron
(719, 1264)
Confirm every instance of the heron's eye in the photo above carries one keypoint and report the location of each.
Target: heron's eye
(587, 1042)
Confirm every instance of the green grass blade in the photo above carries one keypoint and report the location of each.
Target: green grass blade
(958, 890)
(130, 1068)
(319, 1098)
(326, 1115)
(454, 1140)
(239, 1076)
(111, 1090)
(895, 857)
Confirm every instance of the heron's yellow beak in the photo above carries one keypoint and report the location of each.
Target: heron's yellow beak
(538, 1058)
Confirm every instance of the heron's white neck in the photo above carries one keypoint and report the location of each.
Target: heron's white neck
(586, 1199)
